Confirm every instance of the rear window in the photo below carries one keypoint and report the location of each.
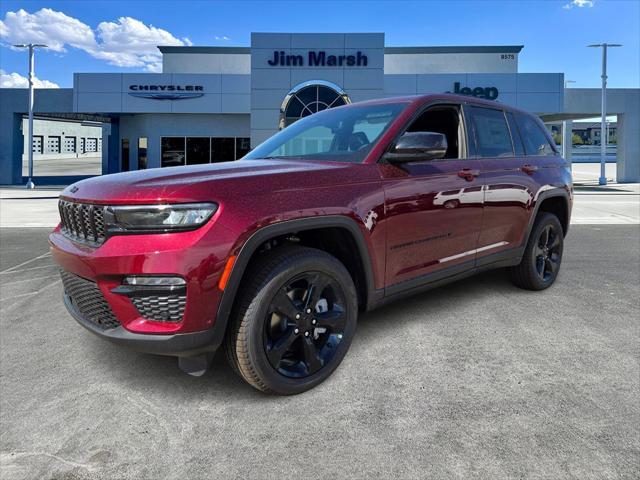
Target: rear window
(533, 136)
(492, 134)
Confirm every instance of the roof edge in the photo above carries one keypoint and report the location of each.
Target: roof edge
(397, 50)
(176, 49)
(457, 49)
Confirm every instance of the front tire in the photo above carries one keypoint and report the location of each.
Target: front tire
(542, 256)
(294, 321)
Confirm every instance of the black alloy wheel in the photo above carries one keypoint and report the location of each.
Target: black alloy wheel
(542, 256)
(547, 252)
(293, 321)
(305, 323)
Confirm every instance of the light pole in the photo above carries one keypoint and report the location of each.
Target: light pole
(566, 136)
(603, 119)
(31, 47)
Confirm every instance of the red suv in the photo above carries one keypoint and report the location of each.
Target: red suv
(272, 256)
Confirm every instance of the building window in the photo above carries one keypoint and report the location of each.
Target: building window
(223, 149)
(172, 151)
(70, 144)
(142, 153)
(53, 144)
(83, 145)
(309, 98)
(37, 144)
(198, 150)
(124, 154)
(243, 146)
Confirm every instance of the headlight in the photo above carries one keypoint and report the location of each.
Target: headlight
(158, 218)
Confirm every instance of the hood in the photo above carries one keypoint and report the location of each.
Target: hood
(206, 182)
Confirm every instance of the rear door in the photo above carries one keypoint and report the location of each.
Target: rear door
(508, 186)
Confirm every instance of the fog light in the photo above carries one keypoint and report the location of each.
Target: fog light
(155, 281)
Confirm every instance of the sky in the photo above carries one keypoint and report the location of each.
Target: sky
(121, 36)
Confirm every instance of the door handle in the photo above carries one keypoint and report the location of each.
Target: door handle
(468, 174)
(529, 169)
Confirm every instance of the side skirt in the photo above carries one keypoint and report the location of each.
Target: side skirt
(448, 275)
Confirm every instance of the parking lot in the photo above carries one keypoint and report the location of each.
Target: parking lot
(475, 379)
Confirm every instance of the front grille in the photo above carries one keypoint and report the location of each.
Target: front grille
(88, 300)
(163, 308)
(82, 222)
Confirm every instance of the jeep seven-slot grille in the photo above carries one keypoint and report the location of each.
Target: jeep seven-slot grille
(88, 300)
(82, 222)
(164, 308)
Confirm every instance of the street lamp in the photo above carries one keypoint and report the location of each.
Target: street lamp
(603, 119)
(566, 136)
(31, 47)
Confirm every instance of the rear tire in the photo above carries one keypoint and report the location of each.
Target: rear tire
(542, 256)
(293, 322)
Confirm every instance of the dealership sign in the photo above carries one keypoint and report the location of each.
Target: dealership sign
(166, 92)
(317, 58)
(490, 93)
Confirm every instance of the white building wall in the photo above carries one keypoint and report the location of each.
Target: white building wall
(238, 63)
(418, 63)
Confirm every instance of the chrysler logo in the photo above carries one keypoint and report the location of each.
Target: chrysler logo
(166, 92)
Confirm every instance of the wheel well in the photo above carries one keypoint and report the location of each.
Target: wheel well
(336, 241)
(557, 206)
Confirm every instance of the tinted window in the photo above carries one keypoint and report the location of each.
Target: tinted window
(534, 138)
(492, 134)
(515, 135)
(172, 151)
(223, 149)
(124, 153)
(243, 146)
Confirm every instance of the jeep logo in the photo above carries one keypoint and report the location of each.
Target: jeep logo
(490, 93)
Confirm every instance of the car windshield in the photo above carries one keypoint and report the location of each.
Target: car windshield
(344, 134)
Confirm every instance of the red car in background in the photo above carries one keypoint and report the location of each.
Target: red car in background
(273, 256)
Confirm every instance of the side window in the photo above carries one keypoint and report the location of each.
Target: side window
(515, 135)
(445, 120)
(492, 134)
(534, 138)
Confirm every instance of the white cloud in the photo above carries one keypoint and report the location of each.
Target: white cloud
(222, 38)
(579, 4)
(47, 26)
(127, 42)
(15, 80)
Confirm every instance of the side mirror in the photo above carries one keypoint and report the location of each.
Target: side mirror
(416, 146)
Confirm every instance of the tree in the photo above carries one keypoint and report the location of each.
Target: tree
(576, 139)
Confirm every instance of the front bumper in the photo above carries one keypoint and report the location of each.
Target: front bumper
(198, 257)
(179, 344)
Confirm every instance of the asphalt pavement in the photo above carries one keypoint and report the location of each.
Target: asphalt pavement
(473, 380)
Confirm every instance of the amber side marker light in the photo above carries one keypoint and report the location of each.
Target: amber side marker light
(226, 273)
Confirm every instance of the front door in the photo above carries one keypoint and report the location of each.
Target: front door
(433, 208)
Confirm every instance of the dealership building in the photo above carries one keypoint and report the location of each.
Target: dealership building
(214, 104)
